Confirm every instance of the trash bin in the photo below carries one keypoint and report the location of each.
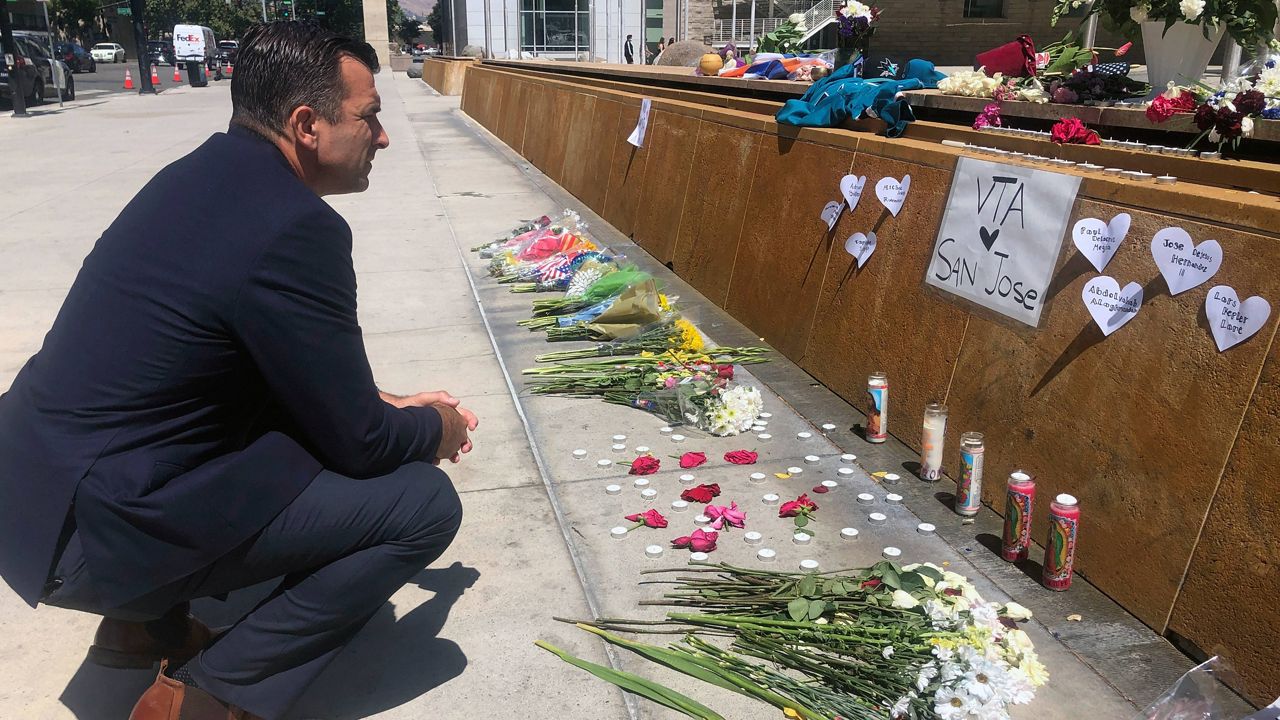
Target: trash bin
(197, 76)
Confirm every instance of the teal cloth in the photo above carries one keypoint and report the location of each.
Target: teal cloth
(843, 95)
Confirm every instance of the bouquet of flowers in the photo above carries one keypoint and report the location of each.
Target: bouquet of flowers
(606, 286)
(1092, 86)
(1172, 101)
(916, 641)
(1248, 22)
(855, 23)
(1225, 117)
(620, 317)
(785, 39)
(521, 229)
(555, 272)
(702, 400)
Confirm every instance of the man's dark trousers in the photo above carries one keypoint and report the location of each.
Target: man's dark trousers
(342, 547)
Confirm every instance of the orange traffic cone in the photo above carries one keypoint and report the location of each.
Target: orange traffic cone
(177, 76)
(155, 75)
(128, 80)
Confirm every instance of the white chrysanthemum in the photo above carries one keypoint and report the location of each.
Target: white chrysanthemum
(985, 615)
(900, 708)
(928, 672)
(953, 704)
(1269, 82)
(1191, 9)
(887, 652)
(981, 680)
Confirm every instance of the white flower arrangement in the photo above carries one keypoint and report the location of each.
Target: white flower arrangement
(854, 9)
(971, 83)
(733, 412)
(1191, 9)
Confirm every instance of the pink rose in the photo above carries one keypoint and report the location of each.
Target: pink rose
(648, 518)
(800, 506)
(699, 541)
(721, 516)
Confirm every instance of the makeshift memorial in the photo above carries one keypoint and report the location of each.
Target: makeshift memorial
(895, 641)
(1232, 321)
(1182, 262)
(1109, 305)
(1098, 241)
(1020, 495)
(1060, 549)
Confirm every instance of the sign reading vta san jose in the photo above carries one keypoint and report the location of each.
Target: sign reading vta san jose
(1001, 234)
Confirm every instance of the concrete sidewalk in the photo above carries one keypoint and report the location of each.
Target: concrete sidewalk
(458, 641)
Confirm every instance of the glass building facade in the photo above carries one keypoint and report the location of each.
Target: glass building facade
(554, 26)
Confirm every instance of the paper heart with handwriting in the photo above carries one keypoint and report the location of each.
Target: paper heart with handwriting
(851, 187)
(1231, 321)
(1184, 264)
(1098, 241)
(831, 213)
(1110, 306)
(860, 246)
(892, 192)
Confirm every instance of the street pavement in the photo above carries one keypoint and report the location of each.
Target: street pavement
(457, 642)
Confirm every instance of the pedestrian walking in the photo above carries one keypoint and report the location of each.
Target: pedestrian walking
(628, 51)
(662, 45)
(202, 416)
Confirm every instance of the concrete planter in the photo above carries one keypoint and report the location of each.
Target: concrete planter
(1180, 55)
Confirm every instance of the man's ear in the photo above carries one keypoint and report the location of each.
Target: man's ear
(301, 124)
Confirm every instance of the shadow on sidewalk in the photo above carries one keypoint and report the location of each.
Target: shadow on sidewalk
(388, 664)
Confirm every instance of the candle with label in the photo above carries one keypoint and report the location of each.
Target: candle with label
(932, 441)
(969, 487)
(1019, 499)
(877, 430)
(1060, 548)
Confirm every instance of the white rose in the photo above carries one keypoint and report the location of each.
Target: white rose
(1014, 611)
(902, 599)
(1138, 13)
(1191, 9)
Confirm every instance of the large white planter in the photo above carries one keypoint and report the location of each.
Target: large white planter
(1180, 55)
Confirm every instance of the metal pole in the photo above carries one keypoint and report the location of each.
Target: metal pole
(644, 31)
(591, 21)
(752, 44)
(10, 54)
(453, 29)
(140, 47)
(506, 31)
(1090, 31)
(575, 32)
(733, 26)
(54, 66)
(264, 10)
(488, 29)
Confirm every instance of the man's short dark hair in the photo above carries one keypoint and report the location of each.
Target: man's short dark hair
(284, 64)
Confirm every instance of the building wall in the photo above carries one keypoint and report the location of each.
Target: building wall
(1169, 444)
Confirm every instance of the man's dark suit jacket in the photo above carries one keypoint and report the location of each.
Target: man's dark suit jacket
(224, 287)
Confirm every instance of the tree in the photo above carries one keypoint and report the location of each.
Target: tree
(75, 18)
(435, 21)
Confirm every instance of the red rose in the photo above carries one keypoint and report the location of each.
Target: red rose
(820, 489)
(725, 372)
(872, 583)
(701, 494)
(1205, 117)
(800, 506)
(692, 459)
(1160, 109)
(1073, 131)
(699, 541)
(648, 518)
(741, 457)
(645, 465)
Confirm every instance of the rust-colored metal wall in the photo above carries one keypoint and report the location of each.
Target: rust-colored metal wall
(1170, 445)
(446, 75)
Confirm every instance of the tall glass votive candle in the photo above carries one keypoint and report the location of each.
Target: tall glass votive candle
(969, 486)
(877, 408)
(932, 441)
(1060, 549)
(1019, 499)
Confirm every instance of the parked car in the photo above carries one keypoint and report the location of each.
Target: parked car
(38, 75)
(108, 52)
(76, 57)
(160, 52)
(228, 48)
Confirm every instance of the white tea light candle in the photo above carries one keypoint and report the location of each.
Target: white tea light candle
(679, 506)
(926, 528)
(800, 538)
(849, 533)
(618, 532)
(848, 458)
(686, 478)
(579, 454)
(891, 553)
(770, 499)
(808, 565)
(641, 482)
(758, 477)
(613, 489)
(698, 557)
(866, 498)
(653, 551)
(766, 555)
(752, 537)
(877, 518)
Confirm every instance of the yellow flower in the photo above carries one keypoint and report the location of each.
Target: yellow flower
(688, 338)
(663, 303)
(646, 354)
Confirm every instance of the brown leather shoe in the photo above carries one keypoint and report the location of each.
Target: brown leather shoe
(121, 644)
(169, 699)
